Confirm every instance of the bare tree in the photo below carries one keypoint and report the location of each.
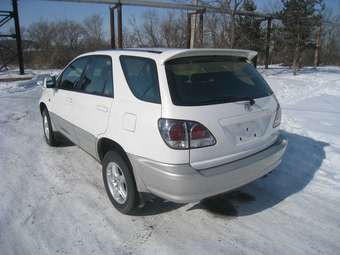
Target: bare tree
(212, 31)
(169, 31)
(94, 36)
(69, 35)
(68, 42)
(53, 44)
(133, 34)
(42, 33)
(173, 30)
(58, 42)
(151, 29)
(231, 7)
(330, 34)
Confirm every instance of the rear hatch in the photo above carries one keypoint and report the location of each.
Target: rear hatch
(230, 98)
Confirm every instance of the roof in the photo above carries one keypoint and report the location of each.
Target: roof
(164, 54)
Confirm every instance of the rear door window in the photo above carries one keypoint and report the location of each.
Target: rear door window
(141, 76)
(206, 80)
(97, 77)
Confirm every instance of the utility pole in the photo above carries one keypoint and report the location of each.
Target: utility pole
(112, 9)
(120, 25)
(188, 36)
(193, 26)
(112, 27)
(18, 36)
(200, 29)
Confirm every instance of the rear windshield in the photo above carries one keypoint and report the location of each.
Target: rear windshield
(208, 80)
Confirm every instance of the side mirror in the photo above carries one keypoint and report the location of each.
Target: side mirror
(50, 82)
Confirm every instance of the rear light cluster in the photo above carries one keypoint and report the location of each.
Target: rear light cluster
(183, 134)
(277, 120)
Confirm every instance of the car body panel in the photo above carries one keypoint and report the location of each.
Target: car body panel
(91, 118)
(133, 124)
(184, 184)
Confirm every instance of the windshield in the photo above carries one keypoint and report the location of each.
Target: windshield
(208, 80)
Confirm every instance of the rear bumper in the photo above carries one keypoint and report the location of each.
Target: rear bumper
(183, 184)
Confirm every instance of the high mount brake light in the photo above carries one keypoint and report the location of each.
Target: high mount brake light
(184, 134)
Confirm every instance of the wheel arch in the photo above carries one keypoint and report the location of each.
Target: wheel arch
(42, 106)
(105, 144)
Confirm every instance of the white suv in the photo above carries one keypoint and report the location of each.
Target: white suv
(180, 124)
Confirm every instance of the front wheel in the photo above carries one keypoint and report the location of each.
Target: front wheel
(120, 183)
(48, 130)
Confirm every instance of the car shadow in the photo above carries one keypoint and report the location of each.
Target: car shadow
(301, 161)
(63, 141)
(155, 205)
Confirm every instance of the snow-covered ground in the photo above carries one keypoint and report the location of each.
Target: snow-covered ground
(52, 200)
(14, 73)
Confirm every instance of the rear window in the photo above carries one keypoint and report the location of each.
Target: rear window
(209, 80)
(141, 76)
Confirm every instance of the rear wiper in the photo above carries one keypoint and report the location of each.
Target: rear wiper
(239, 98)
(230, 99)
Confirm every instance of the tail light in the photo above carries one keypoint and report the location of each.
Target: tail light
(277, 120)
(183, 134)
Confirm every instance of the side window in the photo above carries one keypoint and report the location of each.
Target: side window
(72, 74)
(97, 77)
(141, 76)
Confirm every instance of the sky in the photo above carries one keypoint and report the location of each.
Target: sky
(31, 11)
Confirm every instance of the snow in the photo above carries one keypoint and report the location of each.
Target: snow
(14, 73)
(7, 85)
(52, 200)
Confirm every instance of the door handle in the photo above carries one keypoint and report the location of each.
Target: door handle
(69, 99)
(102, 108)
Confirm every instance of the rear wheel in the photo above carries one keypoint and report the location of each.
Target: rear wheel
(48, 130)
(120, 183)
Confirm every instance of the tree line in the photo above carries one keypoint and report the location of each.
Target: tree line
(294, 36)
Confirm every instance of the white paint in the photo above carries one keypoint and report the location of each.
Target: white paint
(129, 122)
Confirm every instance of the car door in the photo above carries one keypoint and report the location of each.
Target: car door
(62, 105)
(92, 103)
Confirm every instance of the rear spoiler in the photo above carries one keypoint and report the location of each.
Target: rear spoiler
(248, 54)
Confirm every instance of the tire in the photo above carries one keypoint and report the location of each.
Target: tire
(118, 177)
(47, 128)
